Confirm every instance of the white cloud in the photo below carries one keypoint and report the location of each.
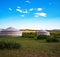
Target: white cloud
(19, 10)
(31, 9)
(39, 9)
(10, 9)
(27, 1)
(40, 14)
(18, 7)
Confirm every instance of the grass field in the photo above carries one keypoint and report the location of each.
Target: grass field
(31, 48)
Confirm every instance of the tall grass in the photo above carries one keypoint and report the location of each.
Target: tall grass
(9, 45)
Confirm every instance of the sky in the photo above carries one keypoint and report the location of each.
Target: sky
(30, 14)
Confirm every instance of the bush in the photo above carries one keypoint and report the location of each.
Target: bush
(9, 45)
(42, 36)
(57, 35)
(29, 35)
(52, 39)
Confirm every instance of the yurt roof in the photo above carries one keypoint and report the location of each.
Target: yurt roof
(42, 31)
(10, 29)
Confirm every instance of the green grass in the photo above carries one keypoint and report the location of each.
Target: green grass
(31, 48)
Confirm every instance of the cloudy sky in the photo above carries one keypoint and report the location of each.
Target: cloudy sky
(30, 14)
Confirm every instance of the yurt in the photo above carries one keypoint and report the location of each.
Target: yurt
(0, 30)
(12, 32)
(43, 32)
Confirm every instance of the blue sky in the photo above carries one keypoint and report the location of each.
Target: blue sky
(30, 14)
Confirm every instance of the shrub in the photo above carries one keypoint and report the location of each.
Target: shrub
(57, 35)
(52, 39)
(9, 45)
(29, 35)
(42, 36)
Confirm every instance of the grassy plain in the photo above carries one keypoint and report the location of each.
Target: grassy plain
(31, 48)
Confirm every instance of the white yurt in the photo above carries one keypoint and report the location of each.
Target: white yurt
(43, 32)
(0, 30)
(11, 32)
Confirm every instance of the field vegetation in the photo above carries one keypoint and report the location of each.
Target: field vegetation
(31, 47)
